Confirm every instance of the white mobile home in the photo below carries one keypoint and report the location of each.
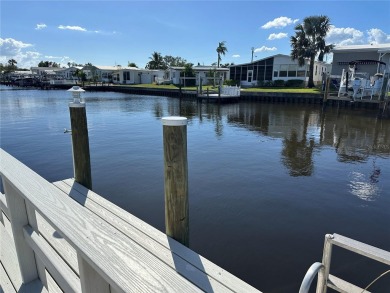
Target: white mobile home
(134, 75)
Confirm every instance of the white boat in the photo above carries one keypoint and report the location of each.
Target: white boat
(359, 85)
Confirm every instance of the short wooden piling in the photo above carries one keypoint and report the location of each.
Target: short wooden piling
(80, 144)
(176, 178)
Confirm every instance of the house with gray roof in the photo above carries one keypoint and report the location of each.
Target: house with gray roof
(342, 55)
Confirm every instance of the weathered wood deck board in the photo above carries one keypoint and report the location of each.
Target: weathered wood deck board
(3, 205)
(197, 269)
(52, 285)
(196, 276)
(34, 286)
(119, 260)
(8, 254)
(5, 282)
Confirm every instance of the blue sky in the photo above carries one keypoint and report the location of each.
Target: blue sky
(118, 32)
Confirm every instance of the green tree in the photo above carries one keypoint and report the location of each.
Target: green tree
(171, 61)
(12, 65)
(48, 64)
(187, 73)
(221, 50)
(309, 41)
(156, 62)
(132, 64)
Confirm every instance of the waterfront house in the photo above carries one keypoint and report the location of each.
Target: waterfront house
(208, 74)
(276, 67)
(342, 55)
(134, 75)
(48, 72)
(100, 73)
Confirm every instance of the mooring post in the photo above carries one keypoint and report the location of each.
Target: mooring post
(176, 178)
(80, 140)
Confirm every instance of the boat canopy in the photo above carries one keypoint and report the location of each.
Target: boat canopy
(355, 62)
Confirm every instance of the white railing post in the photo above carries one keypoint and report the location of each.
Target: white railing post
(91, 281)
(18, 217)
(32, 219)
(326, 258)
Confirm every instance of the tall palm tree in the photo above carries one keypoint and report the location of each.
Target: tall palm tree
(221, 50)
(156, 62)
(12, 62)
(309, 40)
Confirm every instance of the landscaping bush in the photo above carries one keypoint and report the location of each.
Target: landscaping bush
(295, 83)
(265, 83)
(231, 82)
(279, 83)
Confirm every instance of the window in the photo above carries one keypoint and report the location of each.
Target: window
(276, 73)
(316, 71)
(283, 71)
(250, 75)
(292, 71)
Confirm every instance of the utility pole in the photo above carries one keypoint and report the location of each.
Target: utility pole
(253, 49)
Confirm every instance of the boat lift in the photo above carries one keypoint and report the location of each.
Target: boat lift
(359, 85)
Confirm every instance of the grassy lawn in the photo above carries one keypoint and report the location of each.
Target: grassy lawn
(283, 90)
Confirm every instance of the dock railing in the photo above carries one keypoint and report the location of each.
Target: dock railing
(326, 280)
(63, 237)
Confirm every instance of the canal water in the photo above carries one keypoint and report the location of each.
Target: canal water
(266, 181)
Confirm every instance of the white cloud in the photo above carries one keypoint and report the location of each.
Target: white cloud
(277, 36)
(14, 49)
(377, 36)
(10, 47)
(72, 28)
(52, 57)
(264, 48)
(236, 56)
(279, 22)
(40, 26)
(345, 36)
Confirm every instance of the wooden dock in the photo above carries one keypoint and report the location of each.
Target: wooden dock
(61, 236)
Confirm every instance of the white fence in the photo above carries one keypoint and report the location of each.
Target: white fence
(233, 91)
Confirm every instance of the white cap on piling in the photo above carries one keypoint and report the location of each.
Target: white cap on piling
(76, 91)
(174, 121)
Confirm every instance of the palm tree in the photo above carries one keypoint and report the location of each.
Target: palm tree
(156, 62)
(221, 50)
(11, 65)
(309, 40)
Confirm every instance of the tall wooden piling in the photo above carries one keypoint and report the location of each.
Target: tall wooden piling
(176, 178)
(80, 141)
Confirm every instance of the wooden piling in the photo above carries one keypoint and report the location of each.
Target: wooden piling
(176, 178)
(80, 144)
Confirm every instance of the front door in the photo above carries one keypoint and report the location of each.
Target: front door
(249, 76)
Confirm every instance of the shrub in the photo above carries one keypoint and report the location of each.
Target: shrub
(231, 82)
(295, 83)
(265, 83)
(279, 83)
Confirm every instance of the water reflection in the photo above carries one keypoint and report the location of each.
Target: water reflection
(297, 155)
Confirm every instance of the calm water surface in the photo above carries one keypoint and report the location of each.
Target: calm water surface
(266, 181)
